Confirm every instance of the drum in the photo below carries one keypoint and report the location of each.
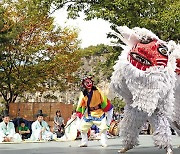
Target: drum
(114, 128)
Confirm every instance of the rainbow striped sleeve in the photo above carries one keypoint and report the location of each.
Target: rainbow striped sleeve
(106, 104)
(80, 109)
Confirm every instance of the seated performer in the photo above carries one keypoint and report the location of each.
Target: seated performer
(96, 109)
(24, 130)
(71, 129)
(7, 130)
(59, 124)
(40, 129)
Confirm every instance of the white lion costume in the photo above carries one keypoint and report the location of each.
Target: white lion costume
(144, 76)
(176, 116)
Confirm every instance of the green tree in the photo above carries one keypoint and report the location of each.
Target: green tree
(160, 16)
(118, 104)
(33, 51)
(101, 60)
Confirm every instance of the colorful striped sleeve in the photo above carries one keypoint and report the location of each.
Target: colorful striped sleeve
(80, 107)
(106, 104)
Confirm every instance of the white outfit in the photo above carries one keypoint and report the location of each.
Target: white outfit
(109, 116)
(176, 115)
(102, 125)
(71, 130)
(148, 96)
(37, 127)
(149, 102)
(9, 131)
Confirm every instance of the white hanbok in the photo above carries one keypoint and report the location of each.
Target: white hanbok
(8, 130)
(71, 129)
(36, 129)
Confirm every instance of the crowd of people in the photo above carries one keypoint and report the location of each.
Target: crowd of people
(98, 121)
(93, 116)
(39, 129)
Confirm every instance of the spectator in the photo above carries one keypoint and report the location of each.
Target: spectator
(122, 113)
(40, 128)
(116, 116)
(71, 129)
(7, 130)
(94, 132)
(59, 124)
(24, 130)
(145, 128)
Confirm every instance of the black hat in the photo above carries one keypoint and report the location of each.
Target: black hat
(21, 121)
(40, 113)
(5, 113)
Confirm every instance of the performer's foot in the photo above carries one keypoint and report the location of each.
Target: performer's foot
(169, 151)
(125, 149)
(83, 145)
(104, 145)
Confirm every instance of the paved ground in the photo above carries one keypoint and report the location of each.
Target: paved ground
(146, 147)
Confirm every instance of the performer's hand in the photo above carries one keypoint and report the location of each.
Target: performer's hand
(78, 114)
(43, 129)
(62, 130)
(74, 115)
(57, 123)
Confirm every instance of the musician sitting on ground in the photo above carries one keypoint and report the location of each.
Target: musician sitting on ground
(59, 124)
(71, 129)
(40, 128)
(24, 130)
(7, 130)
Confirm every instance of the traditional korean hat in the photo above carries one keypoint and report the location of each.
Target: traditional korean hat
(5, 113)
(21, 121)
(40, 113)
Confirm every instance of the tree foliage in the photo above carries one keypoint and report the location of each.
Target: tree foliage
(32, 50)
(118, 104)
(160, 16)
(101, 60)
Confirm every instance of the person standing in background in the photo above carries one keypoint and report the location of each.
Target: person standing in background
(59, 124)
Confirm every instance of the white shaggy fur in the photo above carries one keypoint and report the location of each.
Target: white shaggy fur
(176, 116)
(148, 94)
(175, 120)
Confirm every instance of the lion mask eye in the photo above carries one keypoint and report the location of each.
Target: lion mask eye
(163, 50)
(145, 40)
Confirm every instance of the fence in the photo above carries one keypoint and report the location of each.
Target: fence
(28, 110)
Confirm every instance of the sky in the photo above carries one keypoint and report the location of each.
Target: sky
(90, 32)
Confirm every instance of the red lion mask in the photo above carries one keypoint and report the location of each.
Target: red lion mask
(148, 53)
(178, 66)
